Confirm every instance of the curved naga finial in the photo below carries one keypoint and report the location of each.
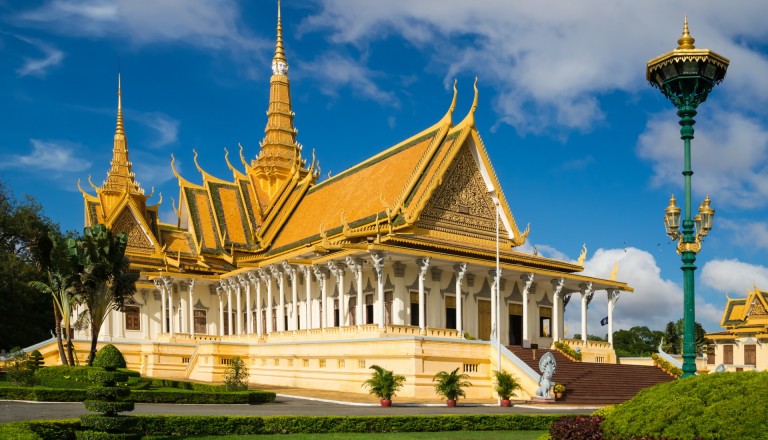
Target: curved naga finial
(449, 114)
(197, 164)
(614, 271)
(583, 255)
(547, 365)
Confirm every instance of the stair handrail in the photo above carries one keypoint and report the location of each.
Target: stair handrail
(667, 357)
(519, 363)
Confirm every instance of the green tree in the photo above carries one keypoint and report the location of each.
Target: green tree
(636, 342)
(699, 334)
(105, 281)
(673, 337)
(54, 259)
(236, 375)
(25, 313)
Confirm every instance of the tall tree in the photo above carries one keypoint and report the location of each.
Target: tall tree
(25, 313)
(673, 336)
(105, 281)
(54, 259)
(636, 342)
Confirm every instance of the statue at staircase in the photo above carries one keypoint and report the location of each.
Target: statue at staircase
(547, 366)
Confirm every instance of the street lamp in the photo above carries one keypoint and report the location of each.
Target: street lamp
(685, 76)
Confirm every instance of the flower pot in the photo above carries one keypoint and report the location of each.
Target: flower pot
(558, 396)
(451, 403)
(386, 402)
(506, 402)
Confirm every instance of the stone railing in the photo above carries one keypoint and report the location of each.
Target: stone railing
(593, 351)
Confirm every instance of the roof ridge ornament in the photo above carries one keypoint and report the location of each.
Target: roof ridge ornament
(279, 62)
(686, 40)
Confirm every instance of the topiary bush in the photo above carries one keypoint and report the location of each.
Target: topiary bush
(236, 375)
(712, 406)
(109, 357)
(19, 369)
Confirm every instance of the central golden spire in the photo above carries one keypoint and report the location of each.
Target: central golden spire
(120, 175)
(686, 40)
(280, 153)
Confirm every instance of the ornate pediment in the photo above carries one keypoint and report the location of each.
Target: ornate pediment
(138, 241)
(461, 203)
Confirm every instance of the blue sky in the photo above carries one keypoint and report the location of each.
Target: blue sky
(586, 151)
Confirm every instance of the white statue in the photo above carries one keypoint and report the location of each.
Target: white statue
(547, 366)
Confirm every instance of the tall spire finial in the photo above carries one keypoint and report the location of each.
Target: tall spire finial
(120, 126)
(686, 41)
(279, 62)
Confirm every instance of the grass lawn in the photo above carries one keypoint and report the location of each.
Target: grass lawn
(448, 435)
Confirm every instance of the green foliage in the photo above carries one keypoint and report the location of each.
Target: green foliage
(451, 385)
(108, 408)
(236, 375)
(105, 281)
(674, 337)
(109, 357)
(36, 360)
(566, 349)
(577, 428)
(505, 384)
(559, 388)
(636, 342)
(605, 411)
(384, 383)
(26, 313)
(666, 366)
(101, 435)
(188, 397)
(19, 369)
(713, 406)
(40, 430)
(39, 394)
(107, 378)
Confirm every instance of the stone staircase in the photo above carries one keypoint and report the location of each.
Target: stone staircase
(591, 383)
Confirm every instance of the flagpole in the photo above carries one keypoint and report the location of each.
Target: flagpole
(498, 296)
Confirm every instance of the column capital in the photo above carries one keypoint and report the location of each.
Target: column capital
(336, 269)
(587, 292)
(191, 284)
(378, 263)
(289, 270)
(557, 286)
(423, 264)
(253, 277)
(460, 270)
(277, 272)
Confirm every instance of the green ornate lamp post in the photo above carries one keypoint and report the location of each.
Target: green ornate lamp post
(685, 76)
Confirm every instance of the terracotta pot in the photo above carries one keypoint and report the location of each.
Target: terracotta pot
(506, 402)
(451, 403)
(386, 402)
(558, 396)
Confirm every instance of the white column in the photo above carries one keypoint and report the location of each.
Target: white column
(183, 309)
(169, 288)
(280, 316)
(235, 285)
(557, 287)
(586, 297)
(220, 294)
(460, 269)
(308, 301)
(378, 265)
(191, 285)
(245, 285)
(423, 264)
(494, 285)
(255, 277)
(120, 323)
(337, 269)
(163, 303)
(290, 271)
(230, 324)
(527, 282)
(144, 315)
(321, 276)
(268, 281)
(613, 296)
(356, 266)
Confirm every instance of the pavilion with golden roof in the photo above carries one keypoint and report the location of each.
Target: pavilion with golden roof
(313, 281)
(740, 345)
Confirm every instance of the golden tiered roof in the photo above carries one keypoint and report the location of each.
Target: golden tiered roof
(746, 314)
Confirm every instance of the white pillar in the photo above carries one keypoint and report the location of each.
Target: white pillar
(183, 309)
(494, 286)
(163, 303)
(423, 264)
(613, 296)
(120, 318)
(268, 281)
(308, 302)
(337, 269)
(557, 287)
(235, 285)
(356, 266)
(220, 294)
(290, 271)
(378, 265)
(169, 288)
(255, 279)
(144, 315)
(527, 282)
(460, 269)
(230, 325)
(280, 315)
(586, 297)
(191, 285)
(245, 285)
(321, 275)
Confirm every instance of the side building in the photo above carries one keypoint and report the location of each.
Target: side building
(739, 347)
(397, 261)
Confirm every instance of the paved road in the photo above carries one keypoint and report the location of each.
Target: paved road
(15, 411)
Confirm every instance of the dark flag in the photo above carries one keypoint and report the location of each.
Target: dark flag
(604, 321)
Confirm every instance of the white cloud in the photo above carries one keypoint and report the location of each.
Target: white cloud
(48, 156)
(151, 168)
(209, 24)
(334, 71)
(39, 67)
(750, 234)
(550, 64)
(167, 128)
(729, 156)
(734, 277)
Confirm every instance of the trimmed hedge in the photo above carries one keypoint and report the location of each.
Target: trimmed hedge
(191, 386)
(41, 394)
(712, 406)
(567, 350)
(40, 430)
(233, 397)
(109, 357)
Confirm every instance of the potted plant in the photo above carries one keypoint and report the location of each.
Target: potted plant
(505, 385)
(559, 389)
(384, 384)
(450, 385)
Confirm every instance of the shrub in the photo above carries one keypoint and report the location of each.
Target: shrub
(713, 406)
(577, 428)
(64, 372)
(235, 397)
(451, 385)
(505, 384)
(109, 357)
(567, 350)
(666, 366)
(236, 375)
(19, 369)
(36, 360)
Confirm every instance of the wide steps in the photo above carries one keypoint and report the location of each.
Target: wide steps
(591, 383)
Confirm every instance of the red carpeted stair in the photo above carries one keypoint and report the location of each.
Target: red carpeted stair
(590, 383)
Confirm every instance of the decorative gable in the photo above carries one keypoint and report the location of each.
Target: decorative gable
(462, 202)
(138, 240)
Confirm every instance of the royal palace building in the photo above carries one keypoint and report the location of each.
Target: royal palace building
(408, 260)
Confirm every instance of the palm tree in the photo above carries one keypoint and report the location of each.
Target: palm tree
(384, 383)
(105, 281)
(451, 385)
